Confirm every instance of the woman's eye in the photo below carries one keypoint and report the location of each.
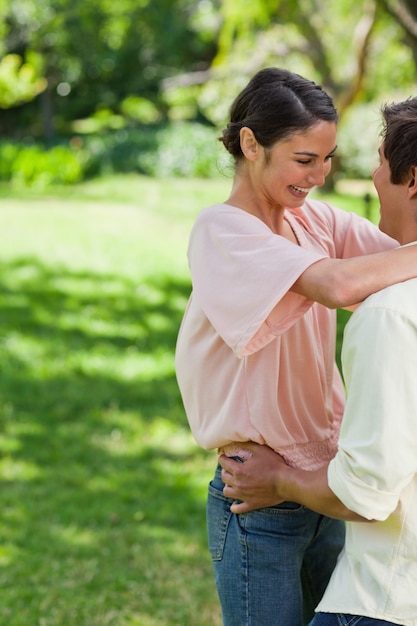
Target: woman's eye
(310, 161)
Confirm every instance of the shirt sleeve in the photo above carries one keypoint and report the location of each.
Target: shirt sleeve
(376, 457)
(241, 274)
(345, 234)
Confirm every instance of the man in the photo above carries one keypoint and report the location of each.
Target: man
(373, 477)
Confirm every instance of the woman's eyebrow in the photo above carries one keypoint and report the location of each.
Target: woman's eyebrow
(313, 154)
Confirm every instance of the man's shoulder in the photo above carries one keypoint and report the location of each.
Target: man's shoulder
(400, 296)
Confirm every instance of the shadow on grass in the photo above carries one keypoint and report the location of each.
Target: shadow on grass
(102, 490)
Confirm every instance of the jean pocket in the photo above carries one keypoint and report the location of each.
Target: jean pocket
(218, 518)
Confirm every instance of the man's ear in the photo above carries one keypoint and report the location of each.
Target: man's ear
(412, 185)
(248, 143)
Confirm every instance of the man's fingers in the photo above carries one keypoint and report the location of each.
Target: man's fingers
(240, 507)
(229, 492)
(227, 463)
(226, 477)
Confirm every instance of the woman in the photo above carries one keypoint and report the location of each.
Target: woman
(255, 353)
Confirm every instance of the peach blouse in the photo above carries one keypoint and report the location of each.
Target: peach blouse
(255, 361)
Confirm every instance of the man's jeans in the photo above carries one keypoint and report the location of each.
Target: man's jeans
(271, 566)
(339, 619)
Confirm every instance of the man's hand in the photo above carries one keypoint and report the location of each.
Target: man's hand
(254, 481)
(266, 480)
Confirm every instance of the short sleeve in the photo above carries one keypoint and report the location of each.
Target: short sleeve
(241, 273)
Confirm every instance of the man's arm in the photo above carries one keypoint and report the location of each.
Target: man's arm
(266, 480)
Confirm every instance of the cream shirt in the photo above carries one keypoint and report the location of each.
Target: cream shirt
(255, 361)
(375, 470)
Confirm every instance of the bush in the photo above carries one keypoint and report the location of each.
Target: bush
(184, 150)
(178, 150)
(35, 165)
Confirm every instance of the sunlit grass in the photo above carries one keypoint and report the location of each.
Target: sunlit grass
(102, 486)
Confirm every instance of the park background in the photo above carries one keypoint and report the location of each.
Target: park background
(109, 118)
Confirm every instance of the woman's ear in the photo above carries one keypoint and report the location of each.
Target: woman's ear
(249, 144)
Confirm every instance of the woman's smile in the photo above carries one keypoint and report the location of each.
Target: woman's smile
(300, 191)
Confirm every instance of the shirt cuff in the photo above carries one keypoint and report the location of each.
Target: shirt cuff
(356, 494)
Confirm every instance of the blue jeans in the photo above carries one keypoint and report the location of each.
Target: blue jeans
(272, 565)
(340, 619)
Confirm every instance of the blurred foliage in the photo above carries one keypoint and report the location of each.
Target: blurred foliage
(149, 50)
(34, 165)
(105, 51)
(351, 49)
(20, 81)
(102, 68)
(185, 150)
(162, 151)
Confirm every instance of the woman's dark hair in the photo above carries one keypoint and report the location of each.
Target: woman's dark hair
(275, 104)
(399, 137)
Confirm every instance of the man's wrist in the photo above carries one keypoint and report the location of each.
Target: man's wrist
(286, 483)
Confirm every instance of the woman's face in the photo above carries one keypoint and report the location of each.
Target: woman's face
(286, 173)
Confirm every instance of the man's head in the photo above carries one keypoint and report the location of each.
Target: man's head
(399, 137)
(395, 177)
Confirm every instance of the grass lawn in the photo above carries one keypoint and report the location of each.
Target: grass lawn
(102, 486)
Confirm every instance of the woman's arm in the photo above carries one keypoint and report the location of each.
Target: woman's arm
(340, 283)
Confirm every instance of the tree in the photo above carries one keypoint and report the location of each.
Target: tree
(98, 53)
(357, 51)
(405, 12)
(108, 56)
(331, 42)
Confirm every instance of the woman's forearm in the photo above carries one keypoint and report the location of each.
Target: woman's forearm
(339, 283)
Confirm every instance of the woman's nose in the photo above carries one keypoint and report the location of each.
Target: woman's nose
(318, 176)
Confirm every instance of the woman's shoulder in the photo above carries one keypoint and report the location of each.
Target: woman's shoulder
(321, 209)
(323, 212)
(228, 217)
(219, 209)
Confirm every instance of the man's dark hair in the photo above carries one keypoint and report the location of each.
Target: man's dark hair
(399, 136)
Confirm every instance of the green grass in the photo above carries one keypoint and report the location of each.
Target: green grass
(102, 488)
